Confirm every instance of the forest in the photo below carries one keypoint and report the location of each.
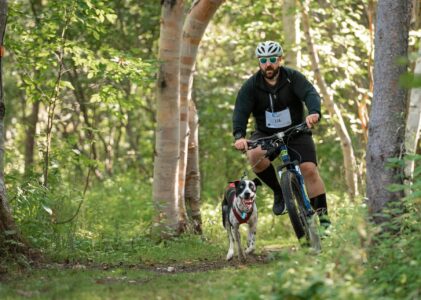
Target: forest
(117, 145)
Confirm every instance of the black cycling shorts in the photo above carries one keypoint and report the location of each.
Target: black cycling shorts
(300, 147)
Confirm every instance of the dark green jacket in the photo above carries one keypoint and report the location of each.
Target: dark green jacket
(291, 91)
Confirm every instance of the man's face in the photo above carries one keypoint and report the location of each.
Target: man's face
(269, 66)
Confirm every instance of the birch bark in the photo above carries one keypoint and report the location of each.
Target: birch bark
(413, 123)
(195, 25)
(334, 112)
(292, 34)
(192, 187)
(167, 151)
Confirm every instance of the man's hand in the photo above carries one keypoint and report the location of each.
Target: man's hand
(312, 120)
(241, 144)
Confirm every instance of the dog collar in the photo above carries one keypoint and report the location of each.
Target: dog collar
(240, 219)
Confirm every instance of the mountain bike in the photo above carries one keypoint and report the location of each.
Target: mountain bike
(303, 217)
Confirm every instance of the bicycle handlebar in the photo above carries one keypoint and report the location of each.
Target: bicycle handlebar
(268, 141)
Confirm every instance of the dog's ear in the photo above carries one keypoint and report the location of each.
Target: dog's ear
(237, 182)
(257, 182)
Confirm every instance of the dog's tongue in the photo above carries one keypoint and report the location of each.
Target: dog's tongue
(248, 203)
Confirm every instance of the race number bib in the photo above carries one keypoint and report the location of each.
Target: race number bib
(278, 119)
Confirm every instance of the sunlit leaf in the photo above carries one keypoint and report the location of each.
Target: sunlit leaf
(47, 209)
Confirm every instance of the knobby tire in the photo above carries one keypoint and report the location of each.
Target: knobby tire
(304, 226)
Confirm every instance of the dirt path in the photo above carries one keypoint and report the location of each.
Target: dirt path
(157, 268)
(167, 268)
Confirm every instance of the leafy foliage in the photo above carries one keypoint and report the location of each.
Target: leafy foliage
(105, 101)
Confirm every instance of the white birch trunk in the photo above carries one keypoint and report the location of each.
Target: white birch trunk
(167, 151)
(362, 105)
(334, 112)
(192, 188)
(292, 34)
(413, 122)
(195, 25)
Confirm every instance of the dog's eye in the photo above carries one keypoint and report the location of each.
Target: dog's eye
(252, 187)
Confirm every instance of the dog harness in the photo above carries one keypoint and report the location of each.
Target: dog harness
(241, 217)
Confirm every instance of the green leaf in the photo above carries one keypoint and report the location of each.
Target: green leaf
(111, 18)
(95, 98)
(66, 84)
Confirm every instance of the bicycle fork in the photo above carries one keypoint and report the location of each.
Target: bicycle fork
(294, 168)
(300, 178)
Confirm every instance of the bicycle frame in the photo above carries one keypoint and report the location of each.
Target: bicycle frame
(298, 204)
(293, 167)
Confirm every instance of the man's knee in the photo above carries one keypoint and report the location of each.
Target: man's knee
(309, 170)
(257, 160)
(260, 166)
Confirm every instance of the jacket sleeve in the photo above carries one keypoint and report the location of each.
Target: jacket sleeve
(306, 92)
(243, 108)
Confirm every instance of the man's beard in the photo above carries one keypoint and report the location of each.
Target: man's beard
(273, 73)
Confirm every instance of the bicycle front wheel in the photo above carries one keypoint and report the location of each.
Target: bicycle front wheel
(303, 222)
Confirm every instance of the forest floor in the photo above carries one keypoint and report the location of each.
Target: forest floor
(190, 279)
(189, 266)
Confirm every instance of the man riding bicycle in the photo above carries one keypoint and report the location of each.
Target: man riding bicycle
(276, 95)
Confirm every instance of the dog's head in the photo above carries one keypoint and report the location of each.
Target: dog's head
(245, 190)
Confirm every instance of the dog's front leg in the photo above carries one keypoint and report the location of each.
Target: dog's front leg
(251, 239)
(237, 236)
(230, 253)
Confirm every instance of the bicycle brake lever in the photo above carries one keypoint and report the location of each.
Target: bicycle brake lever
(270, 152)
(251, 145)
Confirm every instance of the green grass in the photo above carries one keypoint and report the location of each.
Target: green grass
(290, 272)
(226, 283)
(106, 253)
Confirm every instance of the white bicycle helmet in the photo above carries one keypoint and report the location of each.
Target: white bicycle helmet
(268, 48)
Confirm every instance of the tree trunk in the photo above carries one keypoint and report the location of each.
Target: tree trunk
(32, 122)
(416, 14)
(80, 97)
(413, 123)
(32, 119)
(194, 27)
(292, 34)
(10, 238)
(334, 112)
(362, 106)
(167, 150)
(387, 119)
(192, 188)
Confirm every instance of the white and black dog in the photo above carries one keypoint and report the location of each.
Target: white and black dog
(239, 207)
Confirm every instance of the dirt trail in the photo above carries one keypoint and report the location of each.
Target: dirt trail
(167, 268)
(158, 268)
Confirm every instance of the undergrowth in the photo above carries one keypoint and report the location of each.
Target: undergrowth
(359, 260)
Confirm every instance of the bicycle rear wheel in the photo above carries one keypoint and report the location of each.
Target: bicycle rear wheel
(304, 224)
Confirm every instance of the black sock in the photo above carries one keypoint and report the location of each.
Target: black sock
(320, 206)
(268, 176)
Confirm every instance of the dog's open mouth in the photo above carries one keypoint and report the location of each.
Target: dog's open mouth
(249, 203)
